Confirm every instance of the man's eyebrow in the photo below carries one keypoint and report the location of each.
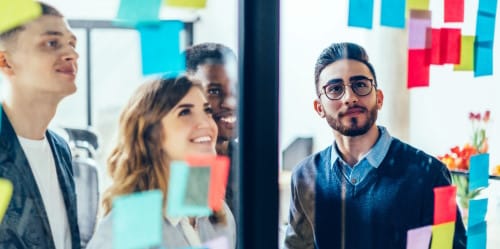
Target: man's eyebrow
(358, 77)
(56, 33)
(334, 81)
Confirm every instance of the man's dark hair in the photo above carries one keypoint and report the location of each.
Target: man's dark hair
(339, 51)
(207, 53)
(47, 10)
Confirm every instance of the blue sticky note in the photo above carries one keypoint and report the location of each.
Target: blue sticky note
(477, 236)
(485, 28)
(488, 6)
(360, 13)
(137, 220)
(161, 48)
(478, 176)
(393, 13)
(138, 11)
(483, 59)
(477, 211)
(177, 187)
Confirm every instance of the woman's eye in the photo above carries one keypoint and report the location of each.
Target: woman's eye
(209, 110)
(184, 112)
(214, 91)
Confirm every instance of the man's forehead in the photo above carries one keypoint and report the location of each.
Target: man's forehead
(48, 24)
(344, 68)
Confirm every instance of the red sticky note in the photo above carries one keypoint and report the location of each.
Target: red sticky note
(453, 10)
(445, 206)
(418, 67)
(451, 40)
(219, 172)
(435, 55)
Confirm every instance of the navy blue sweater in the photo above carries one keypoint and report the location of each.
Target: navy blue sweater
(377, 212)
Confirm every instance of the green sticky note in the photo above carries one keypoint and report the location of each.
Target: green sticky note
(466, 54)
(14, 13)
(5, 195)
(418, 4)
(196, 4)
(442, 236)
(137, 220)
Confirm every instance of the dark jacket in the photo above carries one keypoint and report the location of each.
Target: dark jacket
(25, 224)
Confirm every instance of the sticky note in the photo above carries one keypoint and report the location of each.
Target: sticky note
(217, 243)
(419, 238)
(218, 177)
(419, 23)
(485, 27)
(161, 48)
(435, 55)
(483, 58)
(487, 6)
(445, 206)
(442, 236)
(197, 187)
(6, 189)
(196, 4)
(466, 54)
(477, 236)
(477, 212)
(137, 220)
(178, 184)
(453, 10)
(360, 13)
(18, 12)
(418, 4)
(450, 45)
(478, 171)
(418, 68)
(133, 12)
(392, 13)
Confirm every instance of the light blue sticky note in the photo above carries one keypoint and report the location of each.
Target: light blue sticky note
(419, 238)
(485, 28)
(483, 59)
(487, 6)
(137, 220)
(477, 211)
(132, 12)
(477, 236)
(478, 171)
(360, 13)
(161, 48)
(178, 184)
(393, 13)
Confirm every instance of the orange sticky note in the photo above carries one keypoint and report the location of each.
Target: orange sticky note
(219, 172)
(6, 189)
(445, 206)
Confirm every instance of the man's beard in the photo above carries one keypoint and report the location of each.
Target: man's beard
(353, 130)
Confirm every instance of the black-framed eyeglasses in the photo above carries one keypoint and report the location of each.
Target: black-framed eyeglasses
(334, 90)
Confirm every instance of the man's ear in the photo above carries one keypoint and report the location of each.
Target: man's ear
(380, 99)
(4, 64)
(319, 108)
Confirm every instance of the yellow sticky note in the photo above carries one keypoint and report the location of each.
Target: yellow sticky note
(417, 4)
(5, 195)
(14, 13)
(442, 235)
(197, 4)
(466, 54)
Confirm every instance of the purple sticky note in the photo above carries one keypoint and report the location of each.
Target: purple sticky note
(419, 238)
(420, 22)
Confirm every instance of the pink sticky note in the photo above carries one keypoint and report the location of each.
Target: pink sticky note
(420, 21)
(435, 55)
(418, 67)
(453, 10)
(445, 206)
(419, 238)
(450, 45)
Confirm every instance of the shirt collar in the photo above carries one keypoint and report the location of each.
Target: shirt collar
(375, 155)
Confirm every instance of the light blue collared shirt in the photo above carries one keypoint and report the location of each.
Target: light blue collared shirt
(370, 161)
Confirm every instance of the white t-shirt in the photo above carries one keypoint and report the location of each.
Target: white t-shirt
(42, 164)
